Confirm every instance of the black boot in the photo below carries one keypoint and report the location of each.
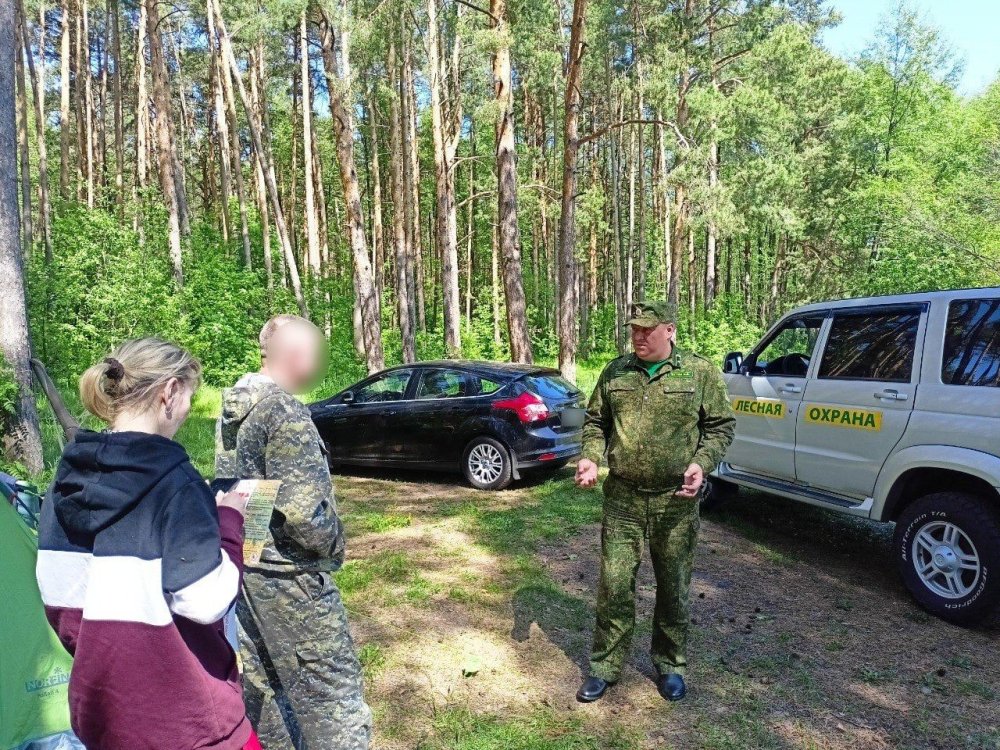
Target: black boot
(671, 687)
(592, 689)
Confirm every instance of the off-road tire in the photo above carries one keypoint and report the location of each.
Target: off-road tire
(716, 493)
(980, 523)
(486, 464)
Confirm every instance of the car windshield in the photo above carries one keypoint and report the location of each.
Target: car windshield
(552, 386)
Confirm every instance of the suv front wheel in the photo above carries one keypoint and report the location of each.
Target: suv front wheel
(947, 546)
(486, 464)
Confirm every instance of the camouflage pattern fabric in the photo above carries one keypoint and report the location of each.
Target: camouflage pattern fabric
(266, 433)
(302, 679)
(652, 429)
(670, 524)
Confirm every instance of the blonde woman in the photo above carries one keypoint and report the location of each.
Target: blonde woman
(137, 565)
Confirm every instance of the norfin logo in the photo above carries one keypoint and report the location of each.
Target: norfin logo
(856, 419)
(760, 407)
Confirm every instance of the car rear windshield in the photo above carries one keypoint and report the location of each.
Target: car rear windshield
(552, 387)
(972, 343)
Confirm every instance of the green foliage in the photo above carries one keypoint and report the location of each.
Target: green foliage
(102, 286)
(224, 307)
(9, 390)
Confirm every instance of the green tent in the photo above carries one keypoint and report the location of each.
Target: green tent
(34, 667)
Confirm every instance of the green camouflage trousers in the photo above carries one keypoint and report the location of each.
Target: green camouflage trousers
(302, 679)
(670, 524)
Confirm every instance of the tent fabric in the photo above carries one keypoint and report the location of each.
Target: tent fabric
(34, 666)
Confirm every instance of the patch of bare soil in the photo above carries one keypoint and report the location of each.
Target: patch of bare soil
(799, 639)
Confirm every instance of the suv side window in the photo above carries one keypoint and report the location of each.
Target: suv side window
(872, 345)
(790, 350)
(972, 343)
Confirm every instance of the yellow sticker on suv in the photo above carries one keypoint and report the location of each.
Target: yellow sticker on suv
(841, 416)
(769, 408)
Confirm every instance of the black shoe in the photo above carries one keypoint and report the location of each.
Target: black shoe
(671, 687)
(592, 689)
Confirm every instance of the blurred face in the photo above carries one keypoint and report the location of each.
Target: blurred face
(299, 358)
(653, 344)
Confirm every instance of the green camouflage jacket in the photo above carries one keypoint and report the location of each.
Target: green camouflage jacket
(266, 433)
(652, 428)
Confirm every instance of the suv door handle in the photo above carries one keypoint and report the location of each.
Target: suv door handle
(890, 394)
(789, 388)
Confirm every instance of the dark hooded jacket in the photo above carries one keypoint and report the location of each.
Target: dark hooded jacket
(136, 568)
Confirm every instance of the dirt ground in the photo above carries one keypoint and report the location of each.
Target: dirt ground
(473, 611)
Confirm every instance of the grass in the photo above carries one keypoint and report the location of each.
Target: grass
(462, 729)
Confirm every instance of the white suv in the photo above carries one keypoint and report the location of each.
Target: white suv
(886, 408)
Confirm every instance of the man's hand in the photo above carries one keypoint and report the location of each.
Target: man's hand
(586, 473)
(693, 479)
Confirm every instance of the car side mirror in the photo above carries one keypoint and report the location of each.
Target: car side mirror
(732, 363)
(347, 398)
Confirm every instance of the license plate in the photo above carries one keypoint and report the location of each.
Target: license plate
(572, 416)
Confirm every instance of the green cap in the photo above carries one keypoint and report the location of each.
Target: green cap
(650, 313)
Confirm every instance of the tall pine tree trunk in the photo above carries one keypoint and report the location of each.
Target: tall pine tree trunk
(313, 255)
(338, 76)
(445, 126)
(64, 129)
(38, 87)
(164, 138)
(21, 439)
(269, 180)
(568, 298)
(510, 238)
(415, 275)
(399, 210)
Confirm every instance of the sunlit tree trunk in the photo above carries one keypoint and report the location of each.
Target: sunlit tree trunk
(510, 237)
(415, 275)
(38, 87)
(21, 439)
(164, 139)
(64, 129)
(312, 219)
(338, 76)
(116, 94)
(446, 132)
(255, 134)
(568, 300)
(22, 133)
(399, 189)
(375, 170)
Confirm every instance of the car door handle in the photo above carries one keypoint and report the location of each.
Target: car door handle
(891, 394)
(789, 388)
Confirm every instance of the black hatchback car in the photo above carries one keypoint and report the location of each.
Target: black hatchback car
(490, 420)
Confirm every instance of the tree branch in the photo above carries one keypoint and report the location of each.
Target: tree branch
(598, 133)
(481, 10)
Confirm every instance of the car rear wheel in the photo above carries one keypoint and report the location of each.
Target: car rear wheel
(486, 464)
(947, 546)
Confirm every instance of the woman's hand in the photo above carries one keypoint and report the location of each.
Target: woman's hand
(235, 500)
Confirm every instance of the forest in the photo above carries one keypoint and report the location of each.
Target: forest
(492, 179)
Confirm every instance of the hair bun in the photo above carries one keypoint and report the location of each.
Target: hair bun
(115, 371)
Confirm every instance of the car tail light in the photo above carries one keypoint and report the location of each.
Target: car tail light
(527, 406)
(546, 456)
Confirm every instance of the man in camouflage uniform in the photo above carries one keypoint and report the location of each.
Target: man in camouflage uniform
(663, 417)
(302, 678)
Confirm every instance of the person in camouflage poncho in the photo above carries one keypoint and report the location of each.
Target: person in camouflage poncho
(663, 417)
(302, 678)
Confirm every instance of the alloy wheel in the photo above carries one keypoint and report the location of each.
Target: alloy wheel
(946, 560)
(485, 463)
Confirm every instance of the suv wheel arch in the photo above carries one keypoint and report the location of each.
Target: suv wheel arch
(913, 484)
